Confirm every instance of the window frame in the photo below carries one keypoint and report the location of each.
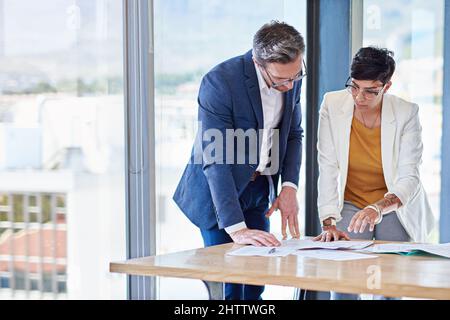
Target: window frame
(444, 220)
(139, 140)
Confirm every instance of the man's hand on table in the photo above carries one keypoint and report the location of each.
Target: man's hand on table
(288, 205)
(255, 237)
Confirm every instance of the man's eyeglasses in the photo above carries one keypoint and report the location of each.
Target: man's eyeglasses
(299, 76)
(368, 94)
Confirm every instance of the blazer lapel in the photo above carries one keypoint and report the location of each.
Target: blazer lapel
(253, 88)
(285, 123)
(388, 130)
(345, 126)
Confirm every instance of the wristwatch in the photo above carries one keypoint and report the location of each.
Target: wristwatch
(390, 196)
(329, 222)
(377, 210)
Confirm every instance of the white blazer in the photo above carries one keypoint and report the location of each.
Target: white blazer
(401, 149)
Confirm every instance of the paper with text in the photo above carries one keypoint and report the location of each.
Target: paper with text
(335, 255)
(342, 244)
(262, 251)
(442, 250)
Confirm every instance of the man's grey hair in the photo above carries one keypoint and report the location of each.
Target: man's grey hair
(277, 42)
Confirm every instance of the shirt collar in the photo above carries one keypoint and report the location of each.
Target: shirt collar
(262, 83)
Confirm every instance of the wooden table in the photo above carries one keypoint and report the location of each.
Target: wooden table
(389, 274)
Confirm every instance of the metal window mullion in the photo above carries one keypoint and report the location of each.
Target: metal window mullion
(328, 41)
(357, 25)
(139, 117)
(329, 55)
(312, 102)
(445, 142)
(150, 87)
(138, 163)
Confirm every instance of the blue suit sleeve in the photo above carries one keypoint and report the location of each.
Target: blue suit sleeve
(215, 117)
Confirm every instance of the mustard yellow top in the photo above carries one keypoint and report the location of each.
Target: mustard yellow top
(365, 178)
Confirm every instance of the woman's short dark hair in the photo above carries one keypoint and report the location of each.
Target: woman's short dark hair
(373, 63)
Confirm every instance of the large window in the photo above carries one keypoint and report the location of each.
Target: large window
(191, 36)
(62, 189)
(414, 29)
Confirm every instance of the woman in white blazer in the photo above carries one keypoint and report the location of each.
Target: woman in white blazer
(369, 152)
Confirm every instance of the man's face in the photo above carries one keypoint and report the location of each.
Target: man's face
(278, 72)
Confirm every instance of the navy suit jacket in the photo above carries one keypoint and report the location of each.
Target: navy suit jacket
(229, 98)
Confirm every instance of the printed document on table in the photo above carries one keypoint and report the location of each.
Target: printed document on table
(442, 250)
(249, 251)
(342, 244)
(393, 247)
(289, 246)
(335, 255)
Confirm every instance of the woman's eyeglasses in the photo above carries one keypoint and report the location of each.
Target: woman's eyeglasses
(368, 94)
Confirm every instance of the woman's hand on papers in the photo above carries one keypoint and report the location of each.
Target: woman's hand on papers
(331, 233)
(255, 237)
(362, 219)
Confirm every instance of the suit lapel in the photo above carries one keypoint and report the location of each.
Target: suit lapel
(345, 126)
(285, 123)
(388, 130)
(254, 93)
(253, 88)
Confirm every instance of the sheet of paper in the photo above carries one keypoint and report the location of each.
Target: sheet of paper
(324, 250)
(310, 244)
(393, 247)
(249, 251)
(335, 255)
(442, 250)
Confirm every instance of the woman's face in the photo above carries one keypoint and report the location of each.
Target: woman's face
(368, 94)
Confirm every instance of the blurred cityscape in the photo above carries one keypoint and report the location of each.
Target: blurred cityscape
(62, 178)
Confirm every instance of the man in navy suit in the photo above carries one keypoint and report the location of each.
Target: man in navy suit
(226, 189)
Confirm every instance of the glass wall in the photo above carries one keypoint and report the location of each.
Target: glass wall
(192, 36)
(62, 182)
(414, 29)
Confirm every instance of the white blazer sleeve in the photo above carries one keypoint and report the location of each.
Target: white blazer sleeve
(328, 195)
(407, 180)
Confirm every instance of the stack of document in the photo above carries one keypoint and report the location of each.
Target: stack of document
(442, 250)
(333, 250)
(262, 251)
(333, 245)
(309, 248)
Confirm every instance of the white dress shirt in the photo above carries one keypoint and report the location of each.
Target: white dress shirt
(272, 106)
